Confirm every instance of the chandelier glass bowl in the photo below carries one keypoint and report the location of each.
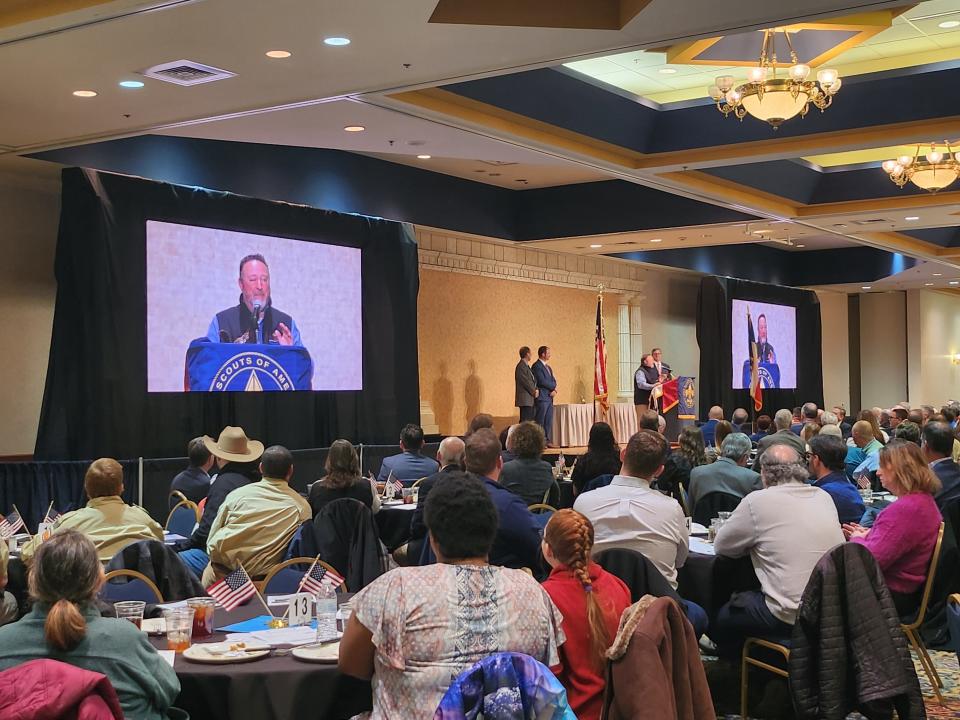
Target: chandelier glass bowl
(932, 172)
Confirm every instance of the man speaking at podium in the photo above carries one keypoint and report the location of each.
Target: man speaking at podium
(254, 319)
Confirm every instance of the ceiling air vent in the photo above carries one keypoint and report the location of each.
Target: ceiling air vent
(186, 72)
(874, 221)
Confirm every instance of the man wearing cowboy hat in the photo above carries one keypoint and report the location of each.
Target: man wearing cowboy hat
(237, 458)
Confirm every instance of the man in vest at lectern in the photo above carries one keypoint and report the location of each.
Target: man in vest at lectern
(254, 319)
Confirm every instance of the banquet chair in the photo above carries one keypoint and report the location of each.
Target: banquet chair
(417, 483)
(182, 519)
(541, 514)
(712, 504)
(284, 578)
(953, 620)
(137, 587)
(684, 500)
(911, 630)
(175, 498)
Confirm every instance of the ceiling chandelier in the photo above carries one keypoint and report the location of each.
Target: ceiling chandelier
(775, 99)
(934, 171)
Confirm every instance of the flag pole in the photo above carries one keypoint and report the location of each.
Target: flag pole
(259, 596)
(49, 508)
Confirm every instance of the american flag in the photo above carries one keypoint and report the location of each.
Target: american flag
(600, 391)
(391, 480)
(52, 516)
(863, 481)
(10, 524)
(314, 579)
(233, 590)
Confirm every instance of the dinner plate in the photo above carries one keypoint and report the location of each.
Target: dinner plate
(220, 654)
(153, 626)
(326, 653)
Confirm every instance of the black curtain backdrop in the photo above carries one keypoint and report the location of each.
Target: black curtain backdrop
(716, 363)
(95, 401)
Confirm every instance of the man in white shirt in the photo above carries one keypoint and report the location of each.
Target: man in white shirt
(628, 514)
(786, 528)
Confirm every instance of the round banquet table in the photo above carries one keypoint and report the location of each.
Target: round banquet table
(572, 423)
(279, 687)
(393, 523)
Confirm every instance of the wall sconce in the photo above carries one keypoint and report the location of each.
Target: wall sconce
(955, 358)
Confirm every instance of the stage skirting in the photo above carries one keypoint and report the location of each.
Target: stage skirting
(571, 423)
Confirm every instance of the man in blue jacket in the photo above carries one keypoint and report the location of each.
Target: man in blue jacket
(827, 455)
(547, 386)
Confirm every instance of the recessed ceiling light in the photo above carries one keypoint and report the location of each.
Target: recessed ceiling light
(668, 71)
(354, 128)
(656, 240)
(912, 217)
(760, 232)
(928, 284)
(131, 84)
(947, 24)
(278, 54)
(954, 282)
(336, 41)
(596, 246)
(800, 246)
(865, 287)
(84, 93)
(938, 274)
(424, 157)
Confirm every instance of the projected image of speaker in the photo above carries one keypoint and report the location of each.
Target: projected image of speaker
(253, 312)
(768, 332)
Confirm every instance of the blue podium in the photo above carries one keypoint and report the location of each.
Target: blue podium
(769, 375)
(231, 367)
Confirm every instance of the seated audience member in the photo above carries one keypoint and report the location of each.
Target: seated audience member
(916, 417)
(724, 428)
(410, 464)
(65, 624)
(763, 428)
(809, 413)
(343, 480)
(106, 519)
(478, 421)
(785, 528)
(833, 431)
(938, 439)
(591, 601)
(905, 532)
(782, 436)
(714, 416)
(739, 419)
(649, 420)
(843, 421)
(517, 542)
(927, 412)
(865, 444)
(809, 431)
(678, 465)
(878, 434)
(729, 474)
(506, 453)
(450, 457)
(8, 603)
(601, 458)
(528, 476)
(237, 465)
(256, 522)
(908, 431)
(827, 455)
(415, 628)
(829, 418)
(194, 482)
(897, 415)
(629, 514)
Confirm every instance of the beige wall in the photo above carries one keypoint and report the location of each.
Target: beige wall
(470, 328)
(29, 210)
(883, 343)
(934, 337)
(836, 348)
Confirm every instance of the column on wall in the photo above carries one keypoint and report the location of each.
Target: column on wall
(631, 343)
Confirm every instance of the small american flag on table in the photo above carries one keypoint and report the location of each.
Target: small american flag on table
(317, 577)
(233, 590)
(52, 516)
(10, 524)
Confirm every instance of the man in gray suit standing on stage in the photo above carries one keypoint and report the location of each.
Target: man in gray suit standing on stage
(526, 389)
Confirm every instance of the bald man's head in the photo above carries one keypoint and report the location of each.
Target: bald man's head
(716, 413)
(450, 452)
(862, 432)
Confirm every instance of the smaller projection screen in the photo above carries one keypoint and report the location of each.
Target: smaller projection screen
(773, 328)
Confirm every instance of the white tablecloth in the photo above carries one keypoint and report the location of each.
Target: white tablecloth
(571, 423)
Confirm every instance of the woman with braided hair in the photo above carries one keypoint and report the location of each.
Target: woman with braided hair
(591, 601)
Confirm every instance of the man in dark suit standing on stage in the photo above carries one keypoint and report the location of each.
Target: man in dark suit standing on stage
(526, 386)
(547, 390)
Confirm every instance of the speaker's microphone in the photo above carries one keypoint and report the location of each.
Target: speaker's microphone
(257, 307)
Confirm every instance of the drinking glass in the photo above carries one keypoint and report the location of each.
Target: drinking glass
(407, 496)
(203, 608)
(179, 624)
(724, 516)
(131, 610)
(867, 496)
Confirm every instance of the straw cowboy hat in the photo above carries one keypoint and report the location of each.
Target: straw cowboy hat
(233, 445)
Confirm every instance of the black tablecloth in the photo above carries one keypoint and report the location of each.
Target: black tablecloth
(394, 526)
(277, 687)
(566, 494)
(709, 581)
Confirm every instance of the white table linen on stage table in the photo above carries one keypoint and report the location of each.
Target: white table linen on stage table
(571, 423)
